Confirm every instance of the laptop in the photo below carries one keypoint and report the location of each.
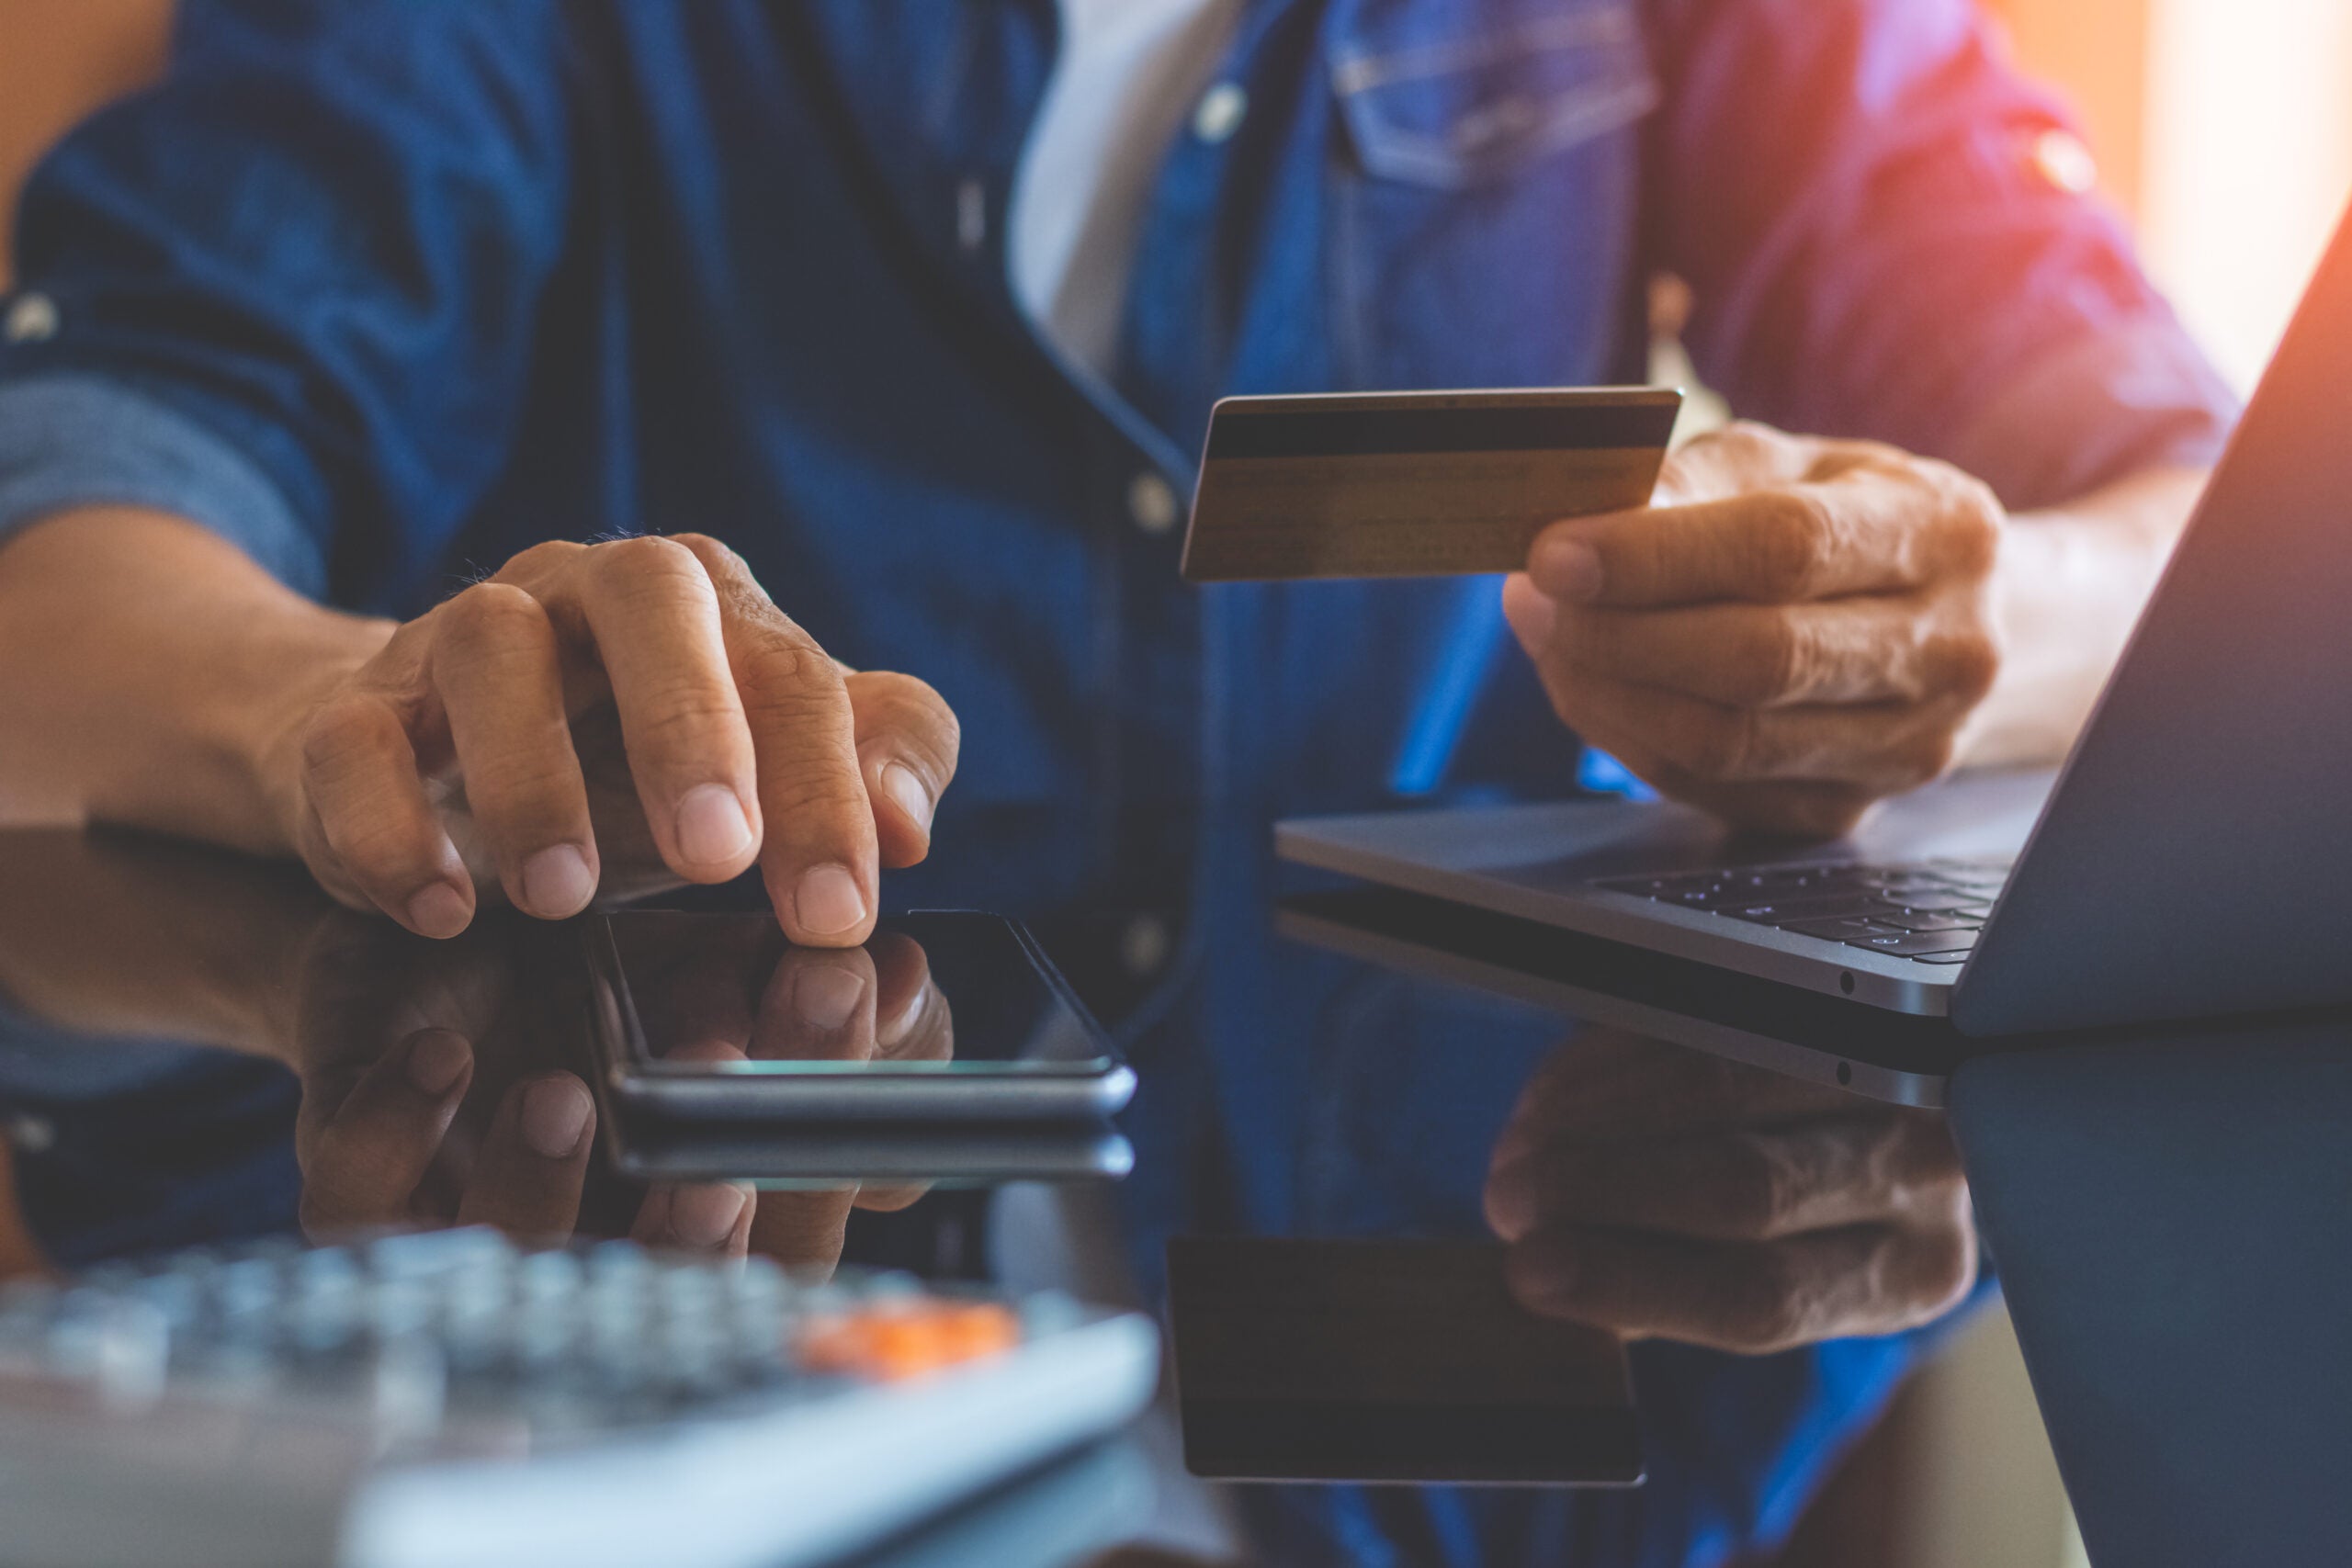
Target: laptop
(2192, 858)
(2169, 1224)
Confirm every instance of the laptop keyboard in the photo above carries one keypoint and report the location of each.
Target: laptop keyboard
(1927, 910)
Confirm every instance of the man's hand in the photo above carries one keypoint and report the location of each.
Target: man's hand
(610, 716)
(1658, 1191)
(1796, 628)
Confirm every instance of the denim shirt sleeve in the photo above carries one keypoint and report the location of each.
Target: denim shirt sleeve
(1860, 194)
(289, 291)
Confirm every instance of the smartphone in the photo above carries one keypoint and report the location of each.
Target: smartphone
(944, 1017)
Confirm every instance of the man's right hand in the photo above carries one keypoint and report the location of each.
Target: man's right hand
(612, 715)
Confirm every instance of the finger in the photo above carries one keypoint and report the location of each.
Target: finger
(1681, 743)
(1743, 1184)
(706, 1217)
(651, 609)
(366, 1164)
(499, 669)
(1866, 649)
(367, 804)
(817, 1007)
(1749, 1299)
(913, 1021)
(534, 1159)
(1740, 456)
(820, 854)
(908, 740)
(803, 1230)
(1878, 527)
(1610, 1085)
(701, 992)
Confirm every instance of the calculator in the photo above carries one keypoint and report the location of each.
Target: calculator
(451, 1398)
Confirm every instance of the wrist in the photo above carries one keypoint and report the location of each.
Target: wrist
(2067, 589)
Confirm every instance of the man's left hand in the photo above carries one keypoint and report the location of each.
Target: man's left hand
(1795, 629)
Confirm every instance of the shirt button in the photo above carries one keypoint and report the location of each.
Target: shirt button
(31, 1133)
(32, 319)
(1151, 503)
(1143, 946)
(1218, 114)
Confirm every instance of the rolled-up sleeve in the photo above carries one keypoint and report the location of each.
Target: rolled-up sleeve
(1884, 231)
(80, 440)
(290, 291)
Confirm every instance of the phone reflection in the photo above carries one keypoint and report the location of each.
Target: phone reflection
(447, 1083)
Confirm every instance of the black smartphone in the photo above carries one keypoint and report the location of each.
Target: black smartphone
(943, 1018)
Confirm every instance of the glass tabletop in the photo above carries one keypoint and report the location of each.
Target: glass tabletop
(196, 1048)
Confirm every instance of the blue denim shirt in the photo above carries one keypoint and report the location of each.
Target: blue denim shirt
(385, 290)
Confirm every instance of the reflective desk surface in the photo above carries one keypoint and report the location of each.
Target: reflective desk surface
(196, 1047)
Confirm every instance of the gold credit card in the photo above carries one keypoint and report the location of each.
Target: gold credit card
(1414, 484)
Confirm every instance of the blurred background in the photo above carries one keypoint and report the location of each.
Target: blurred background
(2222, 129)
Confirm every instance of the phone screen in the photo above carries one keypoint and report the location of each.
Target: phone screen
(941, 995)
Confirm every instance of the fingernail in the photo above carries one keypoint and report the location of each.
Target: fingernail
(1567, 568)
(712, 829)
(436, 1058)
(702, 1217)
(557, 881)
(824, 996)
(439, 910)
(555, 1112)
(899, 782)
(1533, 616)
(827, 901)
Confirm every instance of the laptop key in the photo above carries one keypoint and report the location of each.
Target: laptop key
(1839, 931)
(1924, 921)
(1924, 902)
(1913, 944)
(1783, 911)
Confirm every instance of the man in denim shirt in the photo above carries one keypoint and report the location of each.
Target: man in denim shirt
(358, 371)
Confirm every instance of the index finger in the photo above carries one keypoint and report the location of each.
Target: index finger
(1868, 530)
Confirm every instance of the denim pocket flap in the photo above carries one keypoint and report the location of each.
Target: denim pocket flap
(1450, 106)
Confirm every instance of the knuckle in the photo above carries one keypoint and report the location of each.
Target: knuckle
(1761, 1193)
(1779, 1306)
(521, 789)
(540, 561)
(913, 711)
(1721, 744)
(1972, 519)
(1786, 545)
(714, 558)
(645, 561)
(341, 734)
(1778, 665)
(784, 674)
(485, 615)
(685, 716)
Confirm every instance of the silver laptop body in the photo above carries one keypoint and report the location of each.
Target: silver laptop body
(2193, 858)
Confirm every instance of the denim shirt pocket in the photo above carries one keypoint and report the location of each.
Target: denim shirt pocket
(1467, 96)
(1483, 194)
